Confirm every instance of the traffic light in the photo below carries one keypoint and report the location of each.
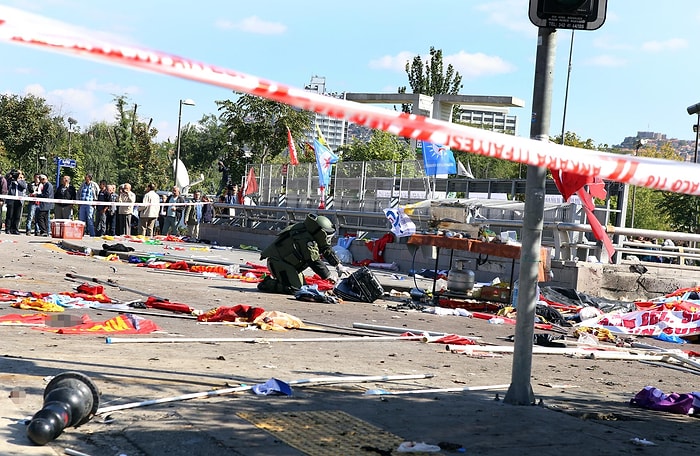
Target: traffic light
(568, 14)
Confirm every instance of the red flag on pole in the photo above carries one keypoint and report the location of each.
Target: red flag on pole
(251, 185)
(292, 149)
(570, 183)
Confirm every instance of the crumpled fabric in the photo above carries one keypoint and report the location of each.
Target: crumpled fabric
(179, 266)
(117, 248)
(81, 299)
(453, 339)
(377, 247)
(318, 282)
(603, 335)
(654, 399)
(277, 321)
(237, 313)
(346, 241)
(273, 387)
(311, 293)
(417, 447)
(37, 304)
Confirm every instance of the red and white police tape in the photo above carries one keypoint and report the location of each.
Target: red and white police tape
(19, 27)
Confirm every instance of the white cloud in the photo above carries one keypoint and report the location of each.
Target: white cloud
(88, 104)
(468, 65)
(35, 89)
(672, 44)
(610, 43)
(253, 24)
(606, 61)
(392, 62)
(111, 88)
(477, 65)
(510, 14)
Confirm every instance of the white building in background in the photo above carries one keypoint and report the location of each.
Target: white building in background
(334, 130)
(489, 118)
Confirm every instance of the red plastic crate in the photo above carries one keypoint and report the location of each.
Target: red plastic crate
(67, 229)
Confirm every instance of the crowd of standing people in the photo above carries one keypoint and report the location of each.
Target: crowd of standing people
(105, 209)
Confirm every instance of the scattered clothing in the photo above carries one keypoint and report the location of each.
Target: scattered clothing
(654, 399)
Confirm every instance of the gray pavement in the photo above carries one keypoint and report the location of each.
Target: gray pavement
(584, 403)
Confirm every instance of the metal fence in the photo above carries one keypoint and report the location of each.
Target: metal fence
(363, 186)
(374, 185)
(359, 192)
(569, 241)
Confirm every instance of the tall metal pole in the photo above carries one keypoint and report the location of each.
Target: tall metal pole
(520, 391)
(177, 156)
(188, 102)
(697, 135)
(566, 92)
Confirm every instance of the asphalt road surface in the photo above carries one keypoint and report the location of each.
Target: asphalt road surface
(582, 405)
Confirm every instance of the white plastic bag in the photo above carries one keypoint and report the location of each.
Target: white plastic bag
(344, 255)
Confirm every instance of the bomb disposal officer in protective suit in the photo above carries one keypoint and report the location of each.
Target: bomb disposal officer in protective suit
(296, 248)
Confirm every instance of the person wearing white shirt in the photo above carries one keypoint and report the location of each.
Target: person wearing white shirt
(148, 212)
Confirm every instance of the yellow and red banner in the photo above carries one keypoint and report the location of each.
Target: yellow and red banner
(121, 324)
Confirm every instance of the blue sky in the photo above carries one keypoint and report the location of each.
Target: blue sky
(637, 73)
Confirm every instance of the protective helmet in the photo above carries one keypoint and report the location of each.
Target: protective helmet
(315, 223)
(326, 225)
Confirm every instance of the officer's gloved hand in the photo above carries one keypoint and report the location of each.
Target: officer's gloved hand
(342, 271)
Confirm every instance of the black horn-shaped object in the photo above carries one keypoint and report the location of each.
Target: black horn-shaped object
(70, 399)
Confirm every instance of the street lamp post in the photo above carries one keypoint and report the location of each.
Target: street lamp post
(696, 128)
(71, 123)
(188, 102)
(695, 109)
(639, 145)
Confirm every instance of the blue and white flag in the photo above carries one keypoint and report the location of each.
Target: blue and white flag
(401, 224)
(438, 159)
(324, 160)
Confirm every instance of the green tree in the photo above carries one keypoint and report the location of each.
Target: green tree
(257, 129)
(488, 167)
(491, 168)
(201, 147)
(666, 210)
(680, 210)
(138, 160)
(653, 210)
(381, 146)
(431, 77)
(98, 153)
(28, 130)
(574, 140)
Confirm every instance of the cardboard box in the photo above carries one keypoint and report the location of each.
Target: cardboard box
(67, 229)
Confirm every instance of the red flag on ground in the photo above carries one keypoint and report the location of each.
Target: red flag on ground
(157, 303)
(292, 149)
(121, 324)
(251, 185)
(237, 313)
(23, 319)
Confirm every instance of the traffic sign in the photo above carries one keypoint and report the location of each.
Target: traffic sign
(66, 162)
(568, 14)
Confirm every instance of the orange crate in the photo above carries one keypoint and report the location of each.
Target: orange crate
(499, 294)
(67, 229)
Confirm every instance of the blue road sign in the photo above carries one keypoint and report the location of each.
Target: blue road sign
(66, 162)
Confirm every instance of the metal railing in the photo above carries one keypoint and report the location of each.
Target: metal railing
(568, 241)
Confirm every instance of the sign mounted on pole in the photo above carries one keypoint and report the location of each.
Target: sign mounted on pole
(568, 14)
(66, 162)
